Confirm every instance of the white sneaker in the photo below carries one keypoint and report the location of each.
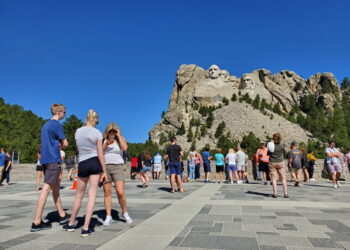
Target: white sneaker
(127, 218)
(335, 186)
(338, 184)
(231, 182)
(312, 179)
(108, 221)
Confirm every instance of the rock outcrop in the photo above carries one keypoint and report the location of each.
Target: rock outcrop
(195, 87)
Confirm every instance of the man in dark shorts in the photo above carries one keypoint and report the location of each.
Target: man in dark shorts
(174, 154)
(206, 165)
(295, 163)
(52, 136)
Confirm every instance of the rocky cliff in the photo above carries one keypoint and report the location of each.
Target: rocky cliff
(258, 102)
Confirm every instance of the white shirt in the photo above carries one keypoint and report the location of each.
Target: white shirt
(231, 158)
(113, 154)
(86, 139)
(332, 160)
(63, 154)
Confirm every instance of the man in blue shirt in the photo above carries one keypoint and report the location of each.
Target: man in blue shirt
(206, 164)
(52, 136)
(2, 163)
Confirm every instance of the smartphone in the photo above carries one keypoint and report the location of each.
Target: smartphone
(111, 137)
(100, 184)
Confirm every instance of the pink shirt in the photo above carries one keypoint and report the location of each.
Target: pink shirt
(347, 158)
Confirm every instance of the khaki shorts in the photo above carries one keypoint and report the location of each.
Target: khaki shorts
(115, 172)
(277, 169)
(297, 171)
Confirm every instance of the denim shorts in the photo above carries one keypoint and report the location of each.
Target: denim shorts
(175, 168)
(232, 168)
(146, 169)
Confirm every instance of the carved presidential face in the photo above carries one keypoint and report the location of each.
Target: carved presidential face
(214, 71)
(225, 73)
(247, 82)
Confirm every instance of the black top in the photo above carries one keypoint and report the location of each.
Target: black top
(173, 151)
(147, 162)
(7, 160)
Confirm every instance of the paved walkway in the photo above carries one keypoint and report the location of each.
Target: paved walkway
(207, 216)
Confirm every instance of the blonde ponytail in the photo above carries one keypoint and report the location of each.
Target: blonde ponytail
(91, 116)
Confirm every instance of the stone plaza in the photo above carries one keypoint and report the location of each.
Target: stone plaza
(206, 216)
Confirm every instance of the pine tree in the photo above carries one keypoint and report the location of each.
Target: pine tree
(210, 119)
(181, 130)
(220, 129)
(256, 102)
(189, 135)
(234, 97)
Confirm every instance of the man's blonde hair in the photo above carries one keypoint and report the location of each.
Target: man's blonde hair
(57, 108)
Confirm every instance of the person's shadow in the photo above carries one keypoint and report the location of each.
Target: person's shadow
(165, 189)
(54, 217)
(258, 193)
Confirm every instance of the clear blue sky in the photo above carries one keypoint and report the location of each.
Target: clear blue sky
(120, 57)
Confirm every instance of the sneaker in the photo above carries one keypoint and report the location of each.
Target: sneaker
(107, 221)
(64, 219)
(127, 218)
(41, 226)
(231, 182)
(335, 186)
(68, 228)
(312, 179)
(338, 184)
(85, 233)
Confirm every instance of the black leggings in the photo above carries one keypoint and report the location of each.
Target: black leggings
(310, 170)
(197, 171)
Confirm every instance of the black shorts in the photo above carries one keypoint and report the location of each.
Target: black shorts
(219, 168)
(52, 173)
(89, 167)
(39, 168)
(263, 166)
(134, 170)
(207, 168)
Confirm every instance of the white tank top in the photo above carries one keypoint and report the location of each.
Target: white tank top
(113, 154)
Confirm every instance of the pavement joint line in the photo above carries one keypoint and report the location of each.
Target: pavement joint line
(164, 232)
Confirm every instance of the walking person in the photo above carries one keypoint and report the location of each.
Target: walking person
(174, 154)
(197, 168)
(305, 165)
(2, 164)
(7, 170)
(231, 159)
(134, 170)
(246, 163)
(277, 165)
(240, 163)
(39, 171)
(157, 165)
(311, 163)
(263, 159)
(347, 159)
(70, 162)
(91, 169)
(295, 163)
(52, 136)
(219, 158)
(333, 163)
(206, 164)
(146, 168)
(113, 147)
(191, 165)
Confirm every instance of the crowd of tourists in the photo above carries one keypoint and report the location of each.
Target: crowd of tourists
(102, 158)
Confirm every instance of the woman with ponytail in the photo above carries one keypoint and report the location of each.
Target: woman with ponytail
(91, 169)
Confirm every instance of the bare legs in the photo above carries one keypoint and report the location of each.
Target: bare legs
(335, 177)
(38, 179)
(119, 188)
(42, 201)
(178, 182)
(82, 182)
(306, 174)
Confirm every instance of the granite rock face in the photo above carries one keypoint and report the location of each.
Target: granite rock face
(195, 87)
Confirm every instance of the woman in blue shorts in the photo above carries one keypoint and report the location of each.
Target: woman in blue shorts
(231, 159)
(146, 168)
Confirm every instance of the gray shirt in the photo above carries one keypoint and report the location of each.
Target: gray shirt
(277, 155)
(295, 155)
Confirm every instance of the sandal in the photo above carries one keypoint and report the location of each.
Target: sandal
(274, 195)
(286, 196)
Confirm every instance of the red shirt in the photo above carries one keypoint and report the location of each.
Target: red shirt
(134, 162)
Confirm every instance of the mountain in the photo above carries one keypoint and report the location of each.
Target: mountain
(208, 104)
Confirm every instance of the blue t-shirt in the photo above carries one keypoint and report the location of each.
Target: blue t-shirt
(157, 159)
(219, 159)
(2, 159)
(51, 135)
(205, 156)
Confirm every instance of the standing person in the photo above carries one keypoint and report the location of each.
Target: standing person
(157, 165)
(134, 168)
(70, 166)
(91, 169)
(146, 168)
(191, 165)
(63, 157)
(263, 159)
(342, 163)
(174, 154)
(2, 163)
(333, 163)
(246, 162)
(197, 168)
(277, 165)
(311, 163)
(231, 158)
(219, 158)
(295, 162)
(113, 147)
(305, 165)
(347, 159)
(7, 170)
(39, 170)
(52, 136)
(240, 163)
(206, 164)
